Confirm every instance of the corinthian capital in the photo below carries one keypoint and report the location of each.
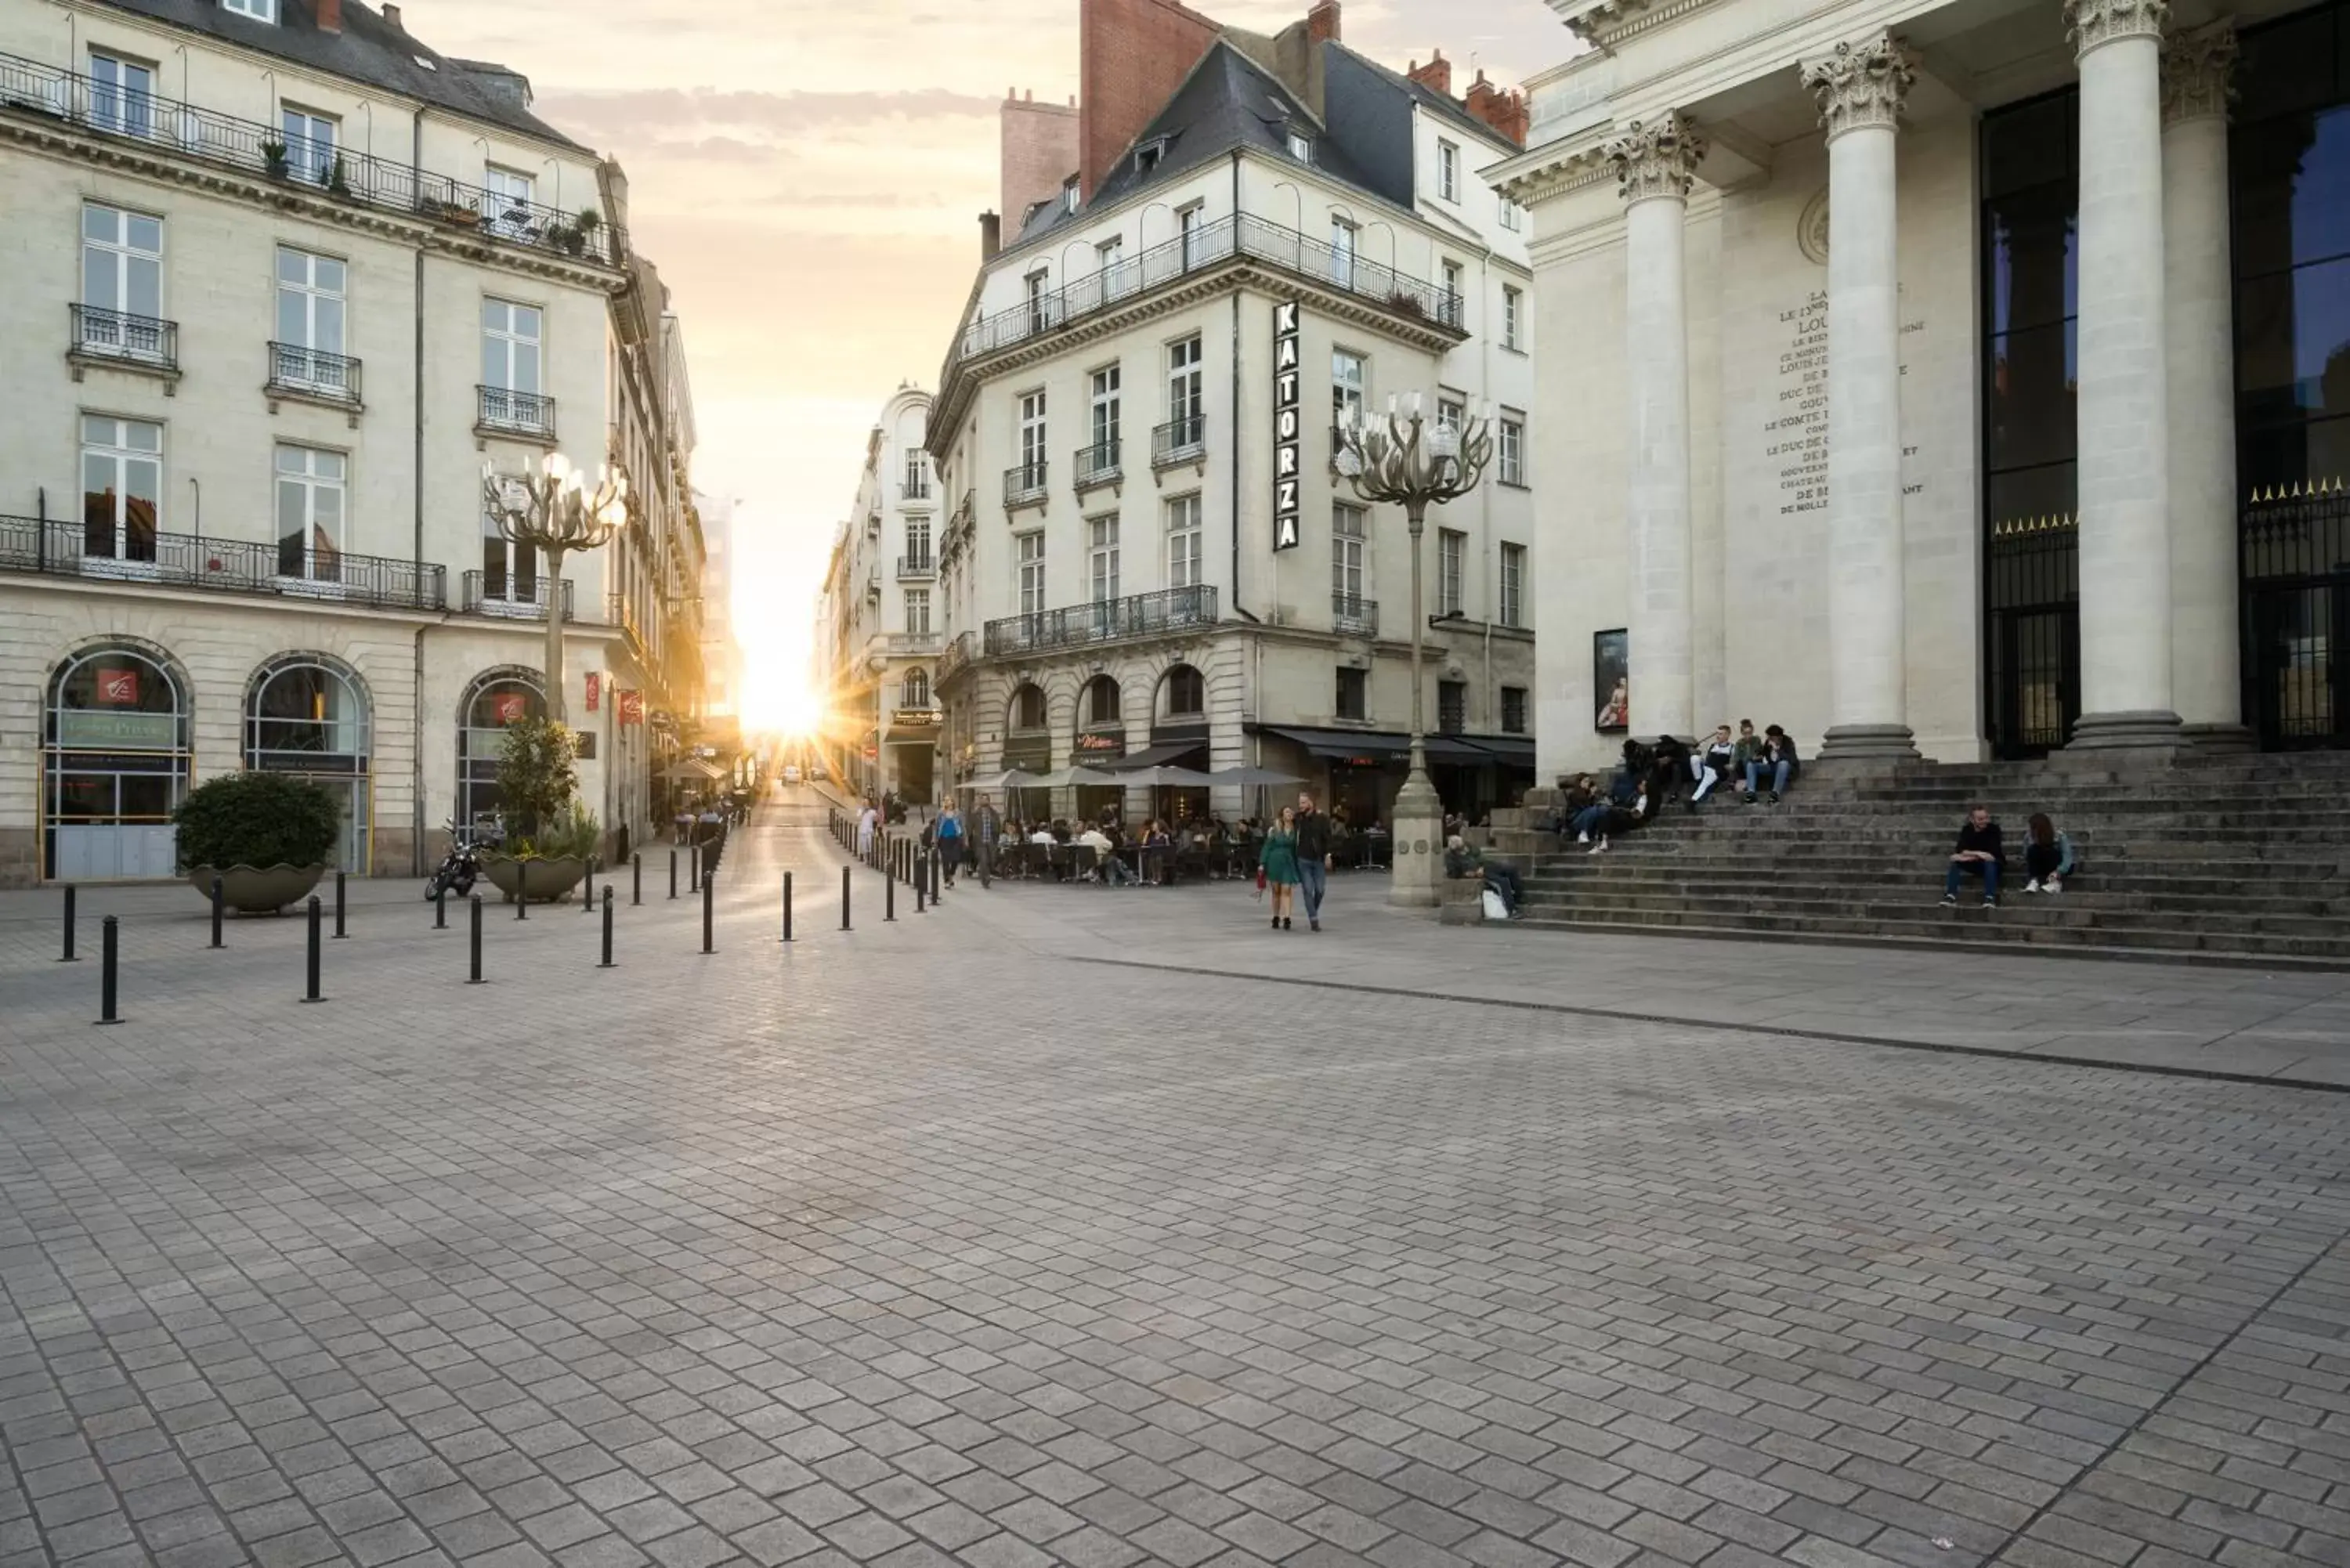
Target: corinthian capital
(1861, 85)
(2094, 21)
(2194, 70)
(1656, 158)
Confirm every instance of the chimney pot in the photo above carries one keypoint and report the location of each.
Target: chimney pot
(392, 15)
(991, 236)
(328, 14)
(1322, 22)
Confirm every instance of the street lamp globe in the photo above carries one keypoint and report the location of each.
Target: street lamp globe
(555, 513)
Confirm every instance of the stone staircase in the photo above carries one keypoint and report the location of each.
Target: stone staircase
(2240, 859)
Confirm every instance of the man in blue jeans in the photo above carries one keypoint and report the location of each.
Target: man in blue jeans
(1313, 859)
(1977, 852)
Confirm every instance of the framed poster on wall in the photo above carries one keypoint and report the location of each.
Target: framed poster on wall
(1611, 676)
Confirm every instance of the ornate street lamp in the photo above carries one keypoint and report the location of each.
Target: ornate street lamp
(1416, 463)
(553, 513)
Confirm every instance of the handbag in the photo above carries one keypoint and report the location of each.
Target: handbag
(1260, 881)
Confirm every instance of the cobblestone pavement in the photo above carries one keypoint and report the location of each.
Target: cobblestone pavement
(922, 1243)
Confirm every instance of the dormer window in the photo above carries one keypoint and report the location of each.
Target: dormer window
(1300, 147)
(1069, 195)
(259, 10)
(1146, 156)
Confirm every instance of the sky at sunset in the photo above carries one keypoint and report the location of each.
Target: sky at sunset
(807, 175)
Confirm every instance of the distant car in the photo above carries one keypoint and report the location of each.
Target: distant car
(816, 772)
(791, 772)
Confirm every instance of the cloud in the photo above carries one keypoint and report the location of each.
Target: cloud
(628, 113)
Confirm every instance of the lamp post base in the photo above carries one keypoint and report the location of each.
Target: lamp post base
(1417, 875)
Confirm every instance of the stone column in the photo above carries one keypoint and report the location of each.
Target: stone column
(1654, 162)
(2199, 358)
(1860, 90)
(2122, 407)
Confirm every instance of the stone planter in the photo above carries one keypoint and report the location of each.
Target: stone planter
(549, 880)
(257, 890)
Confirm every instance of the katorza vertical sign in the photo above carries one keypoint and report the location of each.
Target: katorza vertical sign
(1287, 423)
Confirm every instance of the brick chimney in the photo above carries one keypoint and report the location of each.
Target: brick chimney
(991, 236)
(1436, 75)
(1037, 149)
(1322, 22)
(1504, 112)
(329, 16)
(1131, 57)
(392, 15)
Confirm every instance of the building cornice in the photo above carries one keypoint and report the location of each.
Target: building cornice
(1605, 23)
(1554, 169)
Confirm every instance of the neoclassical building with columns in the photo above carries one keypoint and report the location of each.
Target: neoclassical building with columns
(1966, 381)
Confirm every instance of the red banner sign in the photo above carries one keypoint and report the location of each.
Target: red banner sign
(511, 706)
(595, 689)
(632, 707)
(117, 688)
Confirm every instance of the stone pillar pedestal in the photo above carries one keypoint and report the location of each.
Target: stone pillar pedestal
(1860, 88)
(2123, 400)
(1654, 164)
(2206, 659)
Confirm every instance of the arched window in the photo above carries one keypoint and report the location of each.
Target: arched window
(914, 690)
(309, 714)
(115, 743)
(1103, 706)
(496, 699)
(1183, 693)
(1028, 707)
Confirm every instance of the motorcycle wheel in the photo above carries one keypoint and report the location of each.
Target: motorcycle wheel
(461, 887)
(432, 886)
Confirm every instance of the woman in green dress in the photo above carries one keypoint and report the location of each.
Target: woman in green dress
(1278, 861)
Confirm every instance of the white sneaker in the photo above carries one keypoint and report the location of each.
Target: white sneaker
(2054, 886)
(1583, 839)
(1600, 848)
(2032, 886)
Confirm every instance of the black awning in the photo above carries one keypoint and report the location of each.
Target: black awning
(1163, 754)
(1516, 751)
(1394, 745)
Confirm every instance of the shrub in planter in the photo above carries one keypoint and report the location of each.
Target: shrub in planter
(272, 158)
(266, 836)
(537, 780)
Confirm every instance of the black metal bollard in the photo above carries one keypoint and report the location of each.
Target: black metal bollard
(474, 976)
(936, 860)
(68, 956)
(709, 885)
(106, 1010)
(587, 900)
(844, 898)
(339, 906)
(889, 899)
(673, 873)
(440, 906)
(986, 860)
(636, 880)
(787, 906)
(311, 963)
(218, 904)
(921, 885)
(694, 866)
(522, 889)
(608, 929)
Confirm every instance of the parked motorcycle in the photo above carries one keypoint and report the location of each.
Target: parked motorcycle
(462, 865)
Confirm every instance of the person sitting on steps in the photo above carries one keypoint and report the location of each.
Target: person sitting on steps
(2048, 856)
(1976, 852)
(1462, 862)
(1775, 757)
(1710, 766)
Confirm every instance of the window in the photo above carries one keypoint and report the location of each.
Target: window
(1514, 585)
(1039, 302)
(1032, 441)
(1105, 417)
(1183, 542)
(1069, 196)
(1353, 693)
(918, 544)
(1451, 554)
(1448, 170)
(1514, 709)
(917, 612)
(1347, 548)
(1146, 156)
(1342, 253)
(509, 570)
(1103, 702)
(914, 690)
(511, 194)
(510, 346)
(1347, 384)
(1188, 222)
(310, 145)
(1300, 147)
(1183, 393)
(1514, 309)
(122, 487)
(122, 283)
(1512, 444)
(1452, 274)
(121, 95)
(259, 10)
(309, 348)
(1187, 692)
(1028, 707)
(1510, 214)
(1101, 557)
(1031, 573)
(1450, 411)
(1451, 706)
(309, 514)
(1108, 259)
(918, 477)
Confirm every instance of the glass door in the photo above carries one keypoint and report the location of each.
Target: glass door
(122, 489)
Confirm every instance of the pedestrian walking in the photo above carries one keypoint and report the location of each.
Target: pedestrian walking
(950, 841)
(866, 820)
(1277, 864)
(1313, 859)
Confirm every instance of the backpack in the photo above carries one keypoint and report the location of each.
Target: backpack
(1494, 909)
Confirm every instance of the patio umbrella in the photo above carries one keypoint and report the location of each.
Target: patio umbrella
(1061, 778)
(1252, 778)
(1168, 778)
(1010, 779)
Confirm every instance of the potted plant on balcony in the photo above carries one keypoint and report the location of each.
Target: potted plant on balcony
(272, 159)
(537, 784)
(338, 180)
(266, 836)
(1404, 302)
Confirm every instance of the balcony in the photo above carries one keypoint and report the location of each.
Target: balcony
(916, 568)
(917, 490)
(1113, 620)
(512, 596)
(1226, 240)
(130, 553)
(169, 127)
(1097, 465)
(120, 341)
(912, 643)
(313, 374)
(1023, 485)
(953, 660)
(1180, 441)
(1351, 615)
(525, 415)
(619, 612)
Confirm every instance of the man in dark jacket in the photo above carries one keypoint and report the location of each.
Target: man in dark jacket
(1979, 853)
(1313, 859)
(1775, 759)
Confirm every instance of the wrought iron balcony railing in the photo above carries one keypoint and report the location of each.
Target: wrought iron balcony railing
(515, 595)
(916, 567)
(146, 341)
(1098, 464)
(953, 660)
(915, 488)
(127, 552)
(1180, 440)
(1024, 483)
(313, 373)
(516, 413)
(1354, 616)
(1113, 620)
(1226, 239)
(184, 130)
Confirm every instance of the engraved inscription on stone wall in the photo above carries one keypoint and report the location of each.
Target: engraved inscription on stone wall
(1795, 432)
